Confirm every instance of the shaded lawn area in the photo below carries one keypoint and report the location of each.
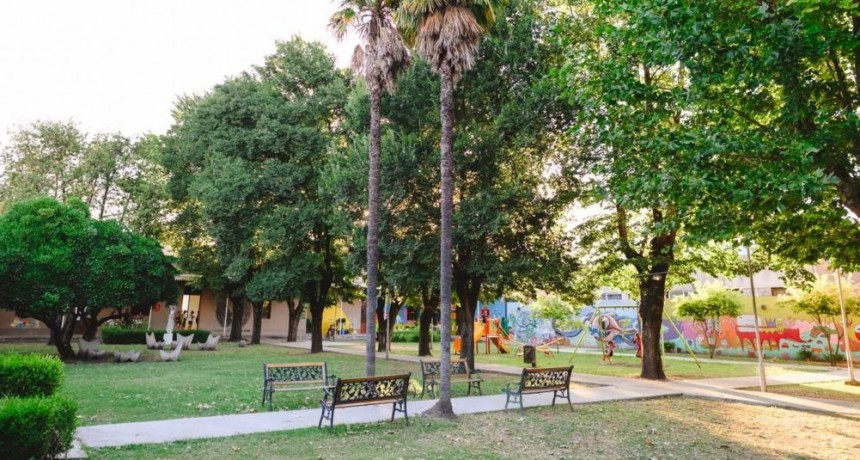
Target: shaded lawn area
(663, 428)
(836, 390)
(622, 366)
(226, 381)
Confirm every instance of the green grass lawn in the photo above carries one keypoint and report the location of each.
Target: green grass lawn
(622, 365)
(664, 428)
(230, 380)
(226, 381)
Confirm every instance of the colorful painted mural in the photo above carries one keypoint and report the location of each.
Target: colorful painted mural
(784, 334)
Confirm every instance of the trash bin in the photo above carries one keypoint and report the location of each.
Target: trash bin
(529, 355)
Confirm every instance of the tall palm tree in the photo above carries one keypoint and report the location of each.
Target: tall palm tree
(379, 60)
(446, 34)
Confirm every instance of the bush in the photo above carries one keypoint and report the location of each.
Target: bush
(410, 334)
(37, 427)
(805, 355)
(29, 375)
(668, 347)
(123, 336)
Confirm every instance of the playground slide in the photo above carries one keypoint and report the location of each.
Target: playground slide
(480, 332)
(500, 345)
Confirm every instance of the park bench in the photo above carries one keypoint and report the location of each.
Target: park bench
(365, 391)
(294, 377)
(540, 380)
(460, 373)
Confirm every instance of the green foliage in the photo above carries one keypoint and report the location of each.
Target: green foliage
(805, 355)
(246, 165)
(556, 310)
(123, 336)
(410, 334)
(821, 301)
(668, 346)
(29, 375)
(55, 261)
(37, 427)
(115, 176)
(710, 302)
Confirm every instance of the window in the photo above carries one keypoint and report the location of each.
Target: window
(777, 291)
(611, 296)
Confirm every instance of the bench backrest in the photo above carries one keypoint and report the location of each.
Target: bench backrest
(369, 389)
(295, 372)
(458, 366)
(546, 377)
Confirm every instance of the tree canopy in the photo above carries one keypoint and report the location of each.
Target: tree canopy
(63, 268)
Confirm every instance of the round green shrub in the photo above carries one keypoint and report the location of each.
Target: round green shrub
(36, 427)
(29, 375)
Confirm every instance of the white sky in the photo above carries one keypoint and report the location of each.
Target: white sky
(119, 65)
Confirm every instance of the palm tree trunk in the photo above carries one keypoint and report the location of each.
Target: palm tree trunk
(372, 230)
(443, 407)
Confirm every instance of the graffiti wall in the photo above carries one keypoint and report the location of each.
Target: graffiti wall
(784, 334)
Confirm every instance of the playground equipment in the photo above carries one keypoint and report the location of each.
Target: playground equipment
(609, 329)
(491, 332)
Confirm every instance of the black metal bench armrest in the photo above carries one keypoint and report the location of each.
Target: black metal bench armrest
(516, 387)
(331, 380)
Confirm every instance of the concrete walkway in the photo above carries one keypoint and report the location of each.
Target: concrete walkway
(604, 388)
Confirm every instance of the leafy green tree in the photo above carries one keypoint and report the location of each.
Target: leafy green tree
(382, 58)
(247, 164)
(776, 81)
(61, 267)
(659, 160)
(706, 306)
(821, 302)
(41, 161)
(116, 176)
(557, 311)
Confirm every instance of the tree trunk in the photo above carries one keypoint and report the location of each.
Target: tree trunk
(443, 407)
(428, 312)
(387, 324)
(372, 221)
(316, 327)
(294, 307)
(238, 313)
(65, 333)
(257, 329)
(468, 290)
(652, 290)
(92, 324)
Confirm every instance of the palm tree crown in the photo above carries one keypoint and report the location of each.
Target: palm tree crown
(385, 54)
(447, 32)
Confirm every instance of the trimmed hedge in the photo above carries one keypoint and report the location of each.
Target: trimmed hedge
(411, 335)
(37, 427)
(123, 336)
(29, 375)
